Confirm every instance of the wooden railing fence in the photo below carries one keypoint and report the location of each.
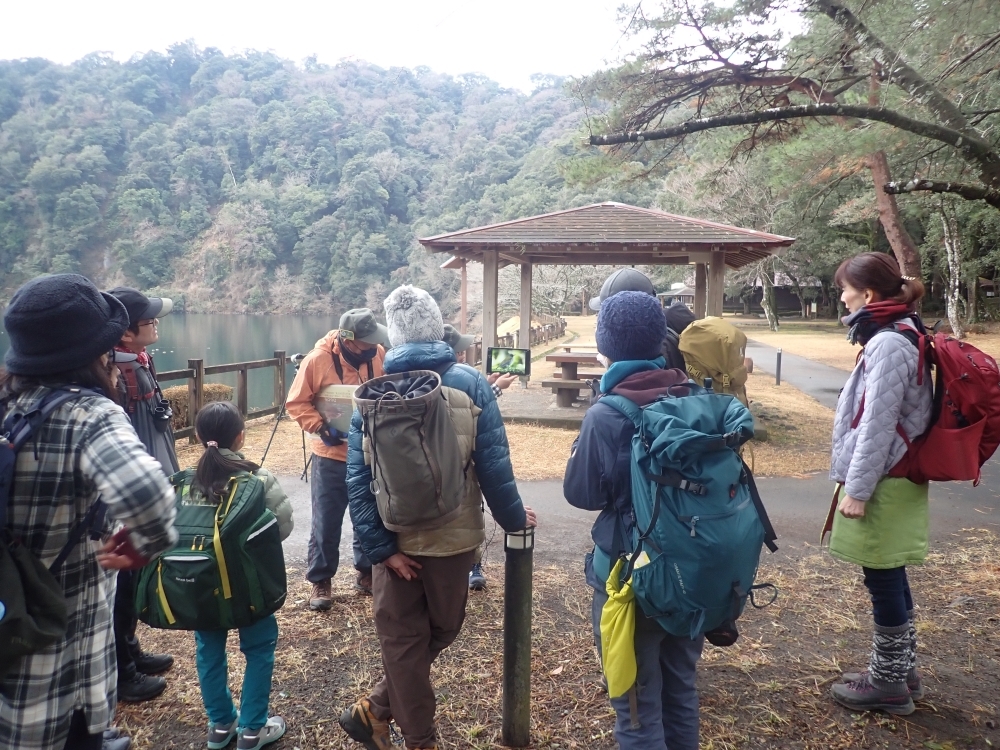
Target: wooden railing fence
(195, 374)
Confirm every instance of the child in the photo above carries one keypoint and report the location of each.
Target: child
(220, 429)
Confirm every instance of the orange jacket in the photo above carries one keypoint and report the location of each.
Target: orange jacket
(316, 372)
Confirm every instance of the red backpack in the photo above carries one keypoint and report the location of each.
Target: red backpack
(965, 424)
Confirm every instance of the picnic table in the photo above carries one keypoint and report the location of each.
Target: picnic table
(567, 388)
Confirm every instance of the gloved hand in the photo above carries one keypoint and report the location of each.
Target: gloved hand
(330, 438)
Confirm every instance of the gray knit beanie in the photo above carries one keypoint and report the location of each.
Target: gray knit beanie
(412, 316)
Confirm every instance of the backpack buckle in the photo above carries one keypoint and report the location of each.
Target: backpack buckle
(693, 488)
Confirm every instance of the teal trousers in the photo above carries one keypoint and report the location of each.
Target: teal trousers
(257, 642)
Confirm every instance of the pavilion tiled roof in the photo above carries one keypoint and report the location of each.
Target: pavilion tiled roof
(608, 233)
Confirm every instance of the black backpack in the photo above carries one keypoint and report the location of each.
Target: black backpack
(33, 610)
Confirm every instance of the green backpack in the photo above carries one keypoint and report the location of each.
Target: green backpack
(227, 570)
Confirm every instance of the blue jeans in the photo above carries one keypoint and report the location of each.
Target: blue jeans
(666, 695)
(890, 593)
(257, 642)
(329, 504)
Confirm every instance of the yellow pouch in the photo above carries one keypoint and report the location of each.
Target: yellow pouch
(618, 634)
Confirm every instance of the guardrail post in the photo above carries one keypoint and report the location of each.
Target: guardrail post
(279, 381)
(241, 390)
(516, 723)
(196, 393)
(777, 369)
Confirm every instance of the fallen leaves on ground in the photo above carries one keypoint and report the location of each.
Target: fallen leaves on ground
(771, 690)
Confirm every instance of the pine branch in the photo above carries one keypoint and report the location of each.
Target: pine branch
(968, 192)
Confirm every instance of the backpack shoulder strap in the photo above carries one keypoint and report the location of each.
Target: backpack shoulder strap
(626, 407)
(19, 428)
(769, 535)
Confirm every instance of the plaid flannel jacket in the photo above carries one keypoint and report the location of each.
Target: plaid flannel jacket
(85, 450)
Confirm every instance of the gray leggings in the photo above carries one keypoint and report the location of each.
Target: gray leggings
(667, 698)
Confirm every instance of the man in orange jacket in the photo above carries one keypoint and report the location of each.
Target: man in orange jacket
(320, 400)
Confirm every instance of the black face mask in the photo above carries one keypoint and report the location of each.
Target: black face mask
(355, 360)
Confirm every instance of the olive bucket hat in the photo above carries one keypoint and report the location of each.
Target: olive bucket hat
(459, 342)
(60, 322)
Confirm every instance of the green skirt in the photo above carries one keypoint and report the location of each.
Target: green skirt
(892, 533)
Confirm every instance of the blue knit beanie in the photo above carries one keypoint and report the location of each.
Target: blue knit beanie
(630, 325)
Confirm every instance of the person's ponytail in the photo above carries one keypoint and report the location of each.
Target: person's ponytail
(912, 291)
(218, 425)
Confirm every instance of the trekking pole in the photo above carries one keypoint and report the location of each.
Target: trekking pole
(777, 369)
(519, 548)
(296, 359)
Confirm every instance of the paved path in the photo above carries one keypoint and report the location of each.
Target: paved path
(820, 381)
(797, 508)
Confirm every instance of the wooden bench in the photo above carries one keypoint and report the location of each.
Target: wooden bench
(581, 375)
(567, 391)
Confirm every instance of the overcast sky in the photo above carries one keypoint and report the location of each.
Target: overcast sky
(507, 40)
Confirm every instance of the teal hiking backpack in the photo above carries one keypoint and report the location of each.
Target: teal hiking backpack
(699, 520)
(227, 570)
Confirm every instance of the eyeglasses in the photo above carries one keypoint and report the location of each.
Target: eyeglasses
(153, 322)
(110, 362)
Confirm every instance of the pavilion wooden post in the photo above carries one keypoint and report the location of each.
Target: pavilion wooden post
(465, 298)
(699, 290)
(524, 338)
(716, 282)
(491, 272)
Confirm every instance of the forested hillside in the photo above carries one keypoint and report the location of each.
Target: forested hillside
(251, 184)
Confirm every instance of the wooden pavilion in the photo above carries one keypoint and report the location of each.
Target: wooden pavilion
(602, 234)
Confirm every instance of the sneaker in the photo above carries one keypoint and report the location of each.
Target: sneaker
(362, 726)
(322, 596)
(273, 731)
(913, 682)
(220, 735)
(153, 663)
(861, 695)
(477, 579)
(140, 688)
(363, 582)
(113, 739)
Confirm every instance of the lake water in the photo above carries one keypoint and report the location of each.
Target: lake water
(221, 339)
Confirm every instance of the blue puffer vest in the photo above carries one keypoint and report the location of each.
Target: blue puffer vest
(491, 455)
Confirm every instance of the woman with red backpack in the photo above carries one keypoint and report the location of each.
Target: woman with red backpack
(881, 521)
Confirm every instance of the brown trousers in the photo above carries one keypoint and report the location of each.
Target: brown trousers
(415, 621)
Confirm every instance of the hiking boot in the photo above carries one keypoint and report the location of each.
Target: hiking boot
(153, 663)
(363, 582)
(251, 739)
(140, 688)
(322, 596)
(913, 682)
(861, 695)
(362, 726)
(477, 579)
(220, 735)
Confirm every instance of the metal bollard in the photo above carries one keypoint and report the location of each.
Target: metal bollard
(777, 370)
(519, 548)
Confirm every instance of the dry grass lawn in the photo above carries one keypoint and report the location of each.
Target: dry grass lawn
(798, 428)
(798, 439)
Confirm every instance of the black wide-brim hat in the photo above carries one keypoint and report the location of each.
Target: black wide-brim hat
(60, 322)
